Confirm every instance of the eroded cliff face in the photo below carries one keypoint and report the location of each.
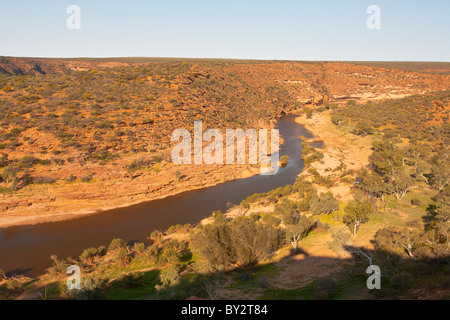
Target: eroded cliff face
(36, 66)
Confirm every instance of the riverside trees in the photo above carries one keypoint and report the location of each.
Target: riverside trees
(413, 148)
(242, 241)
(358, 212)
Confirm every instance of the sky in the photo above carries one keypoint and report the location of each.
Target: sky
(265, 29)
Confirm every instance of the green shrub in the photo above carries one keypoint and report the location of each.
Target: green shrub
(139, 248)
(324, 289)
(284, 160)
(93, 252)
(401, 281)
(116, 244)
(130, 280)
(27, 161)
(43, 180)
(416, 202)
(91, 289)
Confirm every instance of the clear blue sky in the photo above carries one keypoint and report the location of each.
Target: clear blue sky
(263, 29)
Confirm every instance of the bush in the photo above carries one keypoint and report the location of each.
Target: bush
(244, 276)
(416, 202)
(116, 244)
(71, 178)
(324, 289)
(10, 173)
(59, 267)
(152, 254)
(93, 252)
(43, 180)
(401, 281)
(325, 203)
(131, 280)
(284, 160)
(169, 277)
(139, 248)
(122, 257)
(91, 289)
(27, 162)
(86, 178)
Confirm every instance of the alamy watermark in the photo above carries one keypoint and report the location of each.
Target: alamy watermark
(374, 20)
(73, 22)
(213, 153)
(74, 280)
(374, 281)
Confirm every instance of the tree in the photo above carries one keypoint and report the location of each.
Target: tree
(243, 241)
(441, 221)
(358, 212)
(325, 203)
(372, 185)
(396, 240)
(169, 278)
(363, 128)
(286, 209)
(211, 278)
(440, 175)
(342, 243)
(386, 157)
(251, 240)
(10, 173)
(337, 118)
(417, 152)
(298, 230)
(213, 243)
(401, 184)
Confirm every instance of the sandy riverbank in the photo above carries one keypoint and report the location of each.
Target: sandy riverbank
(339, 147)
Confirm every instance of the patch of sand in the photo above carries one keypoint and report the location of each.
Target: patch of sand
(338, 147)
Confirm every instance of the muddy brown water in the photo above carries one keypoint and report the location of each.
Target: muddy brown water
(27, 249)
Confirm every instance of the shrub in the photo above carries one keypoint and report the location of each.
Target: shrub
(59, 267)
(284, 160)
(325, 203)
(71, 178)
(122, 257)
(43, 180)
(131, 280)
(93, 252)
(117, 244)
(7, 89)
(27, 161)
(324, 289)
(152, 254)
(416, 202)
(139, 248)
(169, 278)
(91, 289)
(86, 178)
(10, 173)
(401, 281)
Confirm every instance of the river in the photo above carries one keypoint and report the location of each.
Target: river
(27, 249)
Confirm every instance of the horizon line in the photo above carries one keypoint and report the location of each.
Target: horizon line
(209, 58)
